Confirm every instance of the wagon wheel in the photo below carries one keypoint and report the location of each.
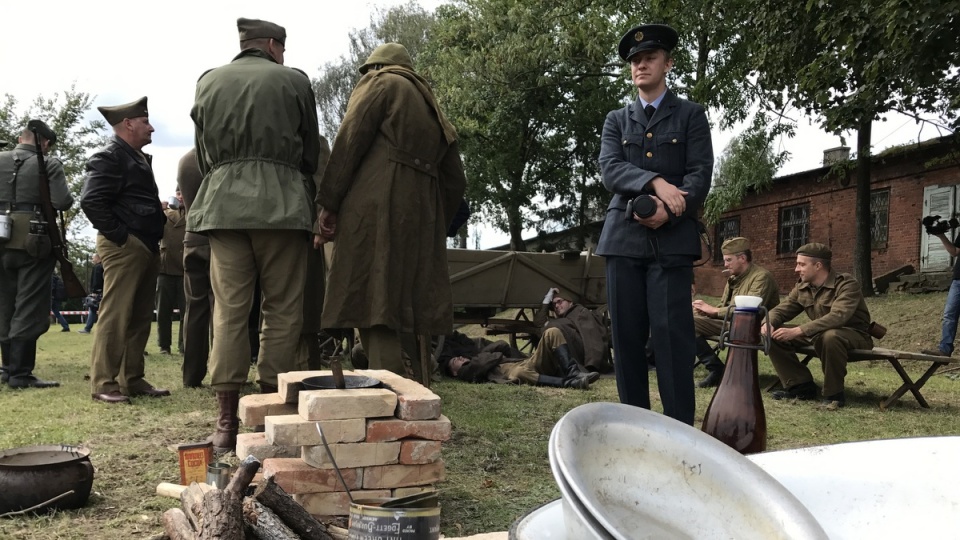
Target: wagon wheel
(530, 340)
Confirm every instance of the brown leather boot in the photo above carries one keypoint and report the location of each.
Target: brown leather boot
(225, 437)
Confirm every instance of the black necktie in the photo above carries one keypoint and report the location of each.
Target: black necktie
(649, 110)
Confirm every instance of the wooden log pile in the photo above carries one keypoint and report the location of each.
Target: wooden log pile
(207, 513)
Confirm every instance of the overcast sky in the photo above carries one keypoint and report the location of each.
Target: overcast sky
(119, 51)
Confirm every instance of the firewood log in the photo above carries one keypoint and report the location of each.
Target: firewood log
(191, 500)
(176, 525)
(295, 516)
(222, 511)
(264, 523)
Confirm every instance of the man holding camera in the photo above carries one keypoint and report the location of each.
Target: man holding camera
(170, 277)
(657, 153)
(951, 311)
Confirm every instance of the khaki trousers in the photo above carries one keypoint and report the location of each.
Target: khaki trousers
(237, 257)
(833, 347)
(390, 350)
(196, 317)
(126, 312)
(541, 362)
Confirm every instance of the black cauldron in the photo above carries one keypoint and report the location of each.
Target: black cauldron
(33, 475)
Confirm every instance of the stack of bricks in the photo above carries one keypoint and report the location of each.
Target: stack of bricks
(386, 441)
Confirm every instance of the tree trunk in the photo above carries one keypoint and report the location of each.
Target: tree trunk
(176, 525)
(264, 524)
(515, 224)
(295, 516)
(862, 266)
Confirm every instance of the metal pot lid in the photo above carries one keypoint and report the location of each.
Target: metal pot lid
(325, 382)
(41, 455)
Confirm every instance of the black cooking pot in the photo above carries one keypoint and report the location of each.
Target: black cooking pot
(325, 382)
(32, 475)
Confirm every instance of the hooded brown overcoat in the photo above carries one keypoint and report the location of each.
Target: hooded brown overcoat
(395, 181)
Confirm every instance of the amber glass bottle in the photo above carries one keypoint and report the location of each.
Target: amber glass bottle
(735, 415)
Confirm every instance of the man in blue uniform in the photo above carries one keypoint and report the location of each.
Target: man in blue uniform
(656, 158)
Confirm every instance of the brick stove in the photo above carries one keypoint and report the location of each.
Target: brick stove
(386, 441)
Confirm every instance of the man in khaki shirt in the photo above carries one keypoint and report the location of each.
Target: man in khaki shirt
(839, 322)
(746, 279)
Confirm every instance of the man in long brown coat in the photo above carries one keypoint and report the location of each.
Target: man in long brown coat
(391, 189)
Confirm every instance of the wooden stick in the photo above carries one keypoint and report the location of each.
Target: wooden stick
(293, 514)
(245, 472)
(37, 506)
(166, 489)
(191, 500)
(176, 526)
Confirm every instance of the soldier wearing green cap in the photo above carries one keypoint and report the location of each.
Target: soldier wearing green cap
(392, 187)
(839, 322)
(745, 279)
(121, 200)
(25, 272)
(655, 152)
(257, 140)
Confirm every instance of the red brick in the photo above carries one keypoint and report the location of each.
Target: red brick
(419, 452)
(295, 476)
(394, 429)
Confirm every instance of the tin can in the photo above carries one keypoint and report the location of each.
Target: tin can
(370, 522)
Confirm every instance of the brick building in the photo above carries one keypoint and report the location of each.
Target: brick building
(819, 206)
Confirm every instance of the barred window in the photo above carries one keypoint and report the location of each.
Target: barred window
(726, 228)
(794, 229)
(879, 217)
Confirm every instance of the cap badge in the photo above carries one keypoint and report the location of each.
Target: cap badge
(638, 36)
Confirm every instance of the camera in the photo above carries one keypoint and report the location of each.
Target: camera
(643, 206)
(934, 225)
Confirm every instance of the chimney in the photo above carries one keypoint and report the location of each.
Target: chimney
(832, 156)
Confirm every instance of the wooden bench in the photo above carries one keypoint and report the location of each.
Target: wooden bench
(894, 358)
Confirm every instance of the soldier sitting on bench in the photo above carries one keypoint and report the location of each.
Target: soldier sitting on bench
(746, 279)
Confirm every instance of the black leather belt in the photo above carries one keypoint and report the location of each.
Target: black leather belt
(21, 207)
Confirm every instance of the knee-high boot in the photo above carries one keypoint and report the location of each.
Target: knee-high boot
(572, 376)
(225, 437)
(4, 361)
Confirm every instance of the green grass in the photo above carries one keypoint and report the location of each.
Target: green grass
(497, 467)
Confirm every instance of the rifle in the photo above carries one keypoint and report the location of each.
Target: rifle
(57, 235)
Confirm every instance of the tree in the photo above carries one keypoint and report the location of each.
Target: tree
(75, 138)
(747, 164)
(851, 62)
(527, 85)
(407, 24)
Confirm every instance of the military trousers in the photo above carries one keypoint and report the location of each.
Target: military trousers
(833, 347)
(647, 297)
(198, 307)
(542, 362)
(237, 258)
(24, 295)
(391, 350)
(169, 298)
(125, 316)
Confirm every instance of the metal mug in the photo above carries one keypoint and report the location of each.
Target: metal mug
(6, 227)
(218, 474)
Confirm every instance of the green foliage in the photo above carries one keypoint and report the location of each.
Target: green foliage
(711, 63)
(407, 24)
(64, 113)
(850, 62)
(527, 84)
(748, 164)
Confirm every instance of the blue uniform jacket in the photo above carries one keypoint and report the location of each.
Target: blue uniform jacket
(675, 144)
